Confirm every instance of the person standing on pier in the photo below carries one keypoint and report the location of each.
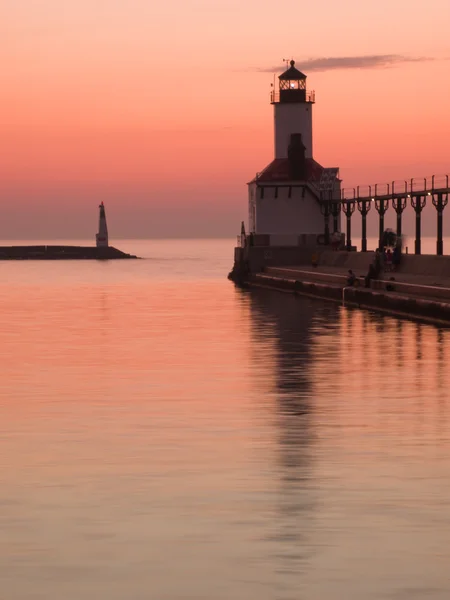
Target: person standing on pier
(378, 262)
(396, 256)
(374, 268)
(388, 266)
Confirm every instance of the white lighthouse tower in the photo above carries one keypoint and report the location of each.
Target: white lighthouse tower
(292, 111)
(101, 237)
(291, 200)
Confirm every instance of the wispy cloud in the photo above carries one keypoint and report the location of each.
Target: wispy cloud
(333, 63)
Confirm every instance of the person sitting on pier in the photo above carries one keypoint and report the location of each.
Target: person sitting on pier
(351, 278)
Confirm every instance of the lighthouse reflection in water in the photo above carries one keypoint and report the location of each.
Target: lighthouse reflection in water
(167, 435)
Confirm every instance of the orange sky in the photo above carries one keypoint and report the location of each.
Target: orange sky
(163, 111)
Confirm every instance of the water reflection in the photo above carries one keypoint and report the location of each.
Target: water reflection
(399, 346)
(291, 327)
(363, 448)
(442, 392)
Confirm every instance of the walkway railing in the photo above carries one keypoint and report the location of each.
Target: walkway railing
(415, 192)
(434, 184)
(310, 96)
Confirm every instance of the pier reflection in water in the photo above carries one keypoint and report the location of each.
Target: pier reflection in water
(361, 411)
(288, 539)
(170, 436)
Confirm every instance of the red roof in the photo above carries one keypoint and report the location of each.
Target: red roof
(278, 170)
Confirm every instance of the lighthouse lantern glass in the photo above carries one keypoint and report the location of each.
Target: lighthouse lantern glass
(292, 84)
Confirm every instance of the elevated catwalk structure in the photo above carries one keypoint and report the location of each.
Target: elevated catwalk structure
(399, 194)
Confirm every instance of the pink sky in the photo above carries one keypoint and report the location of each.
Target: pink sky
(163, 111)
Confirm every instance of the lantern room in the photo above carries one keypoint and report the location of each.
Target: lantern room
(292, 87)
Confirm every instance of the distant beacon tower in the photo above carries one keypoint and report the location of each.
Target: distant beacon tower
(102, 236)
(292, 111)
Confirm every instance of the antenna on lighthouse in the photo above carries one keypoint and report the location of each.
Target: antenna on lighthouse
(101, 237)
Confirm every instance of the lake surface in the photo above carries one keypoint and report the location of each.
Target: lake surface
(165, 435)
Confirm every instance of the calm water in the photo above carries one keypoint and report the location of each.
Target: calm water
(167, 436)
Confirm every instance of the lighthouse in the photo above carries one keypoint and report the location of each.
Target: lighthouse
(291, 200)
(292, 113)
(101, 237)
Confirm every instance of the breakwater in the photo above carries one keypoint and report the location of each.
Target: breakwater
(46, 252)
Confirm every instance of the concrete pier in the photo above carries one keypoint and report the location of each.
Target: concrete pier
(419, 289)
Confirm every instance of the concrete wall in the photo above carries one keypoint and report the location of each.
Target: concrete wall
(270, 240)
(292, 118)
(425, 265)
(260, 257)
(346, 260)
